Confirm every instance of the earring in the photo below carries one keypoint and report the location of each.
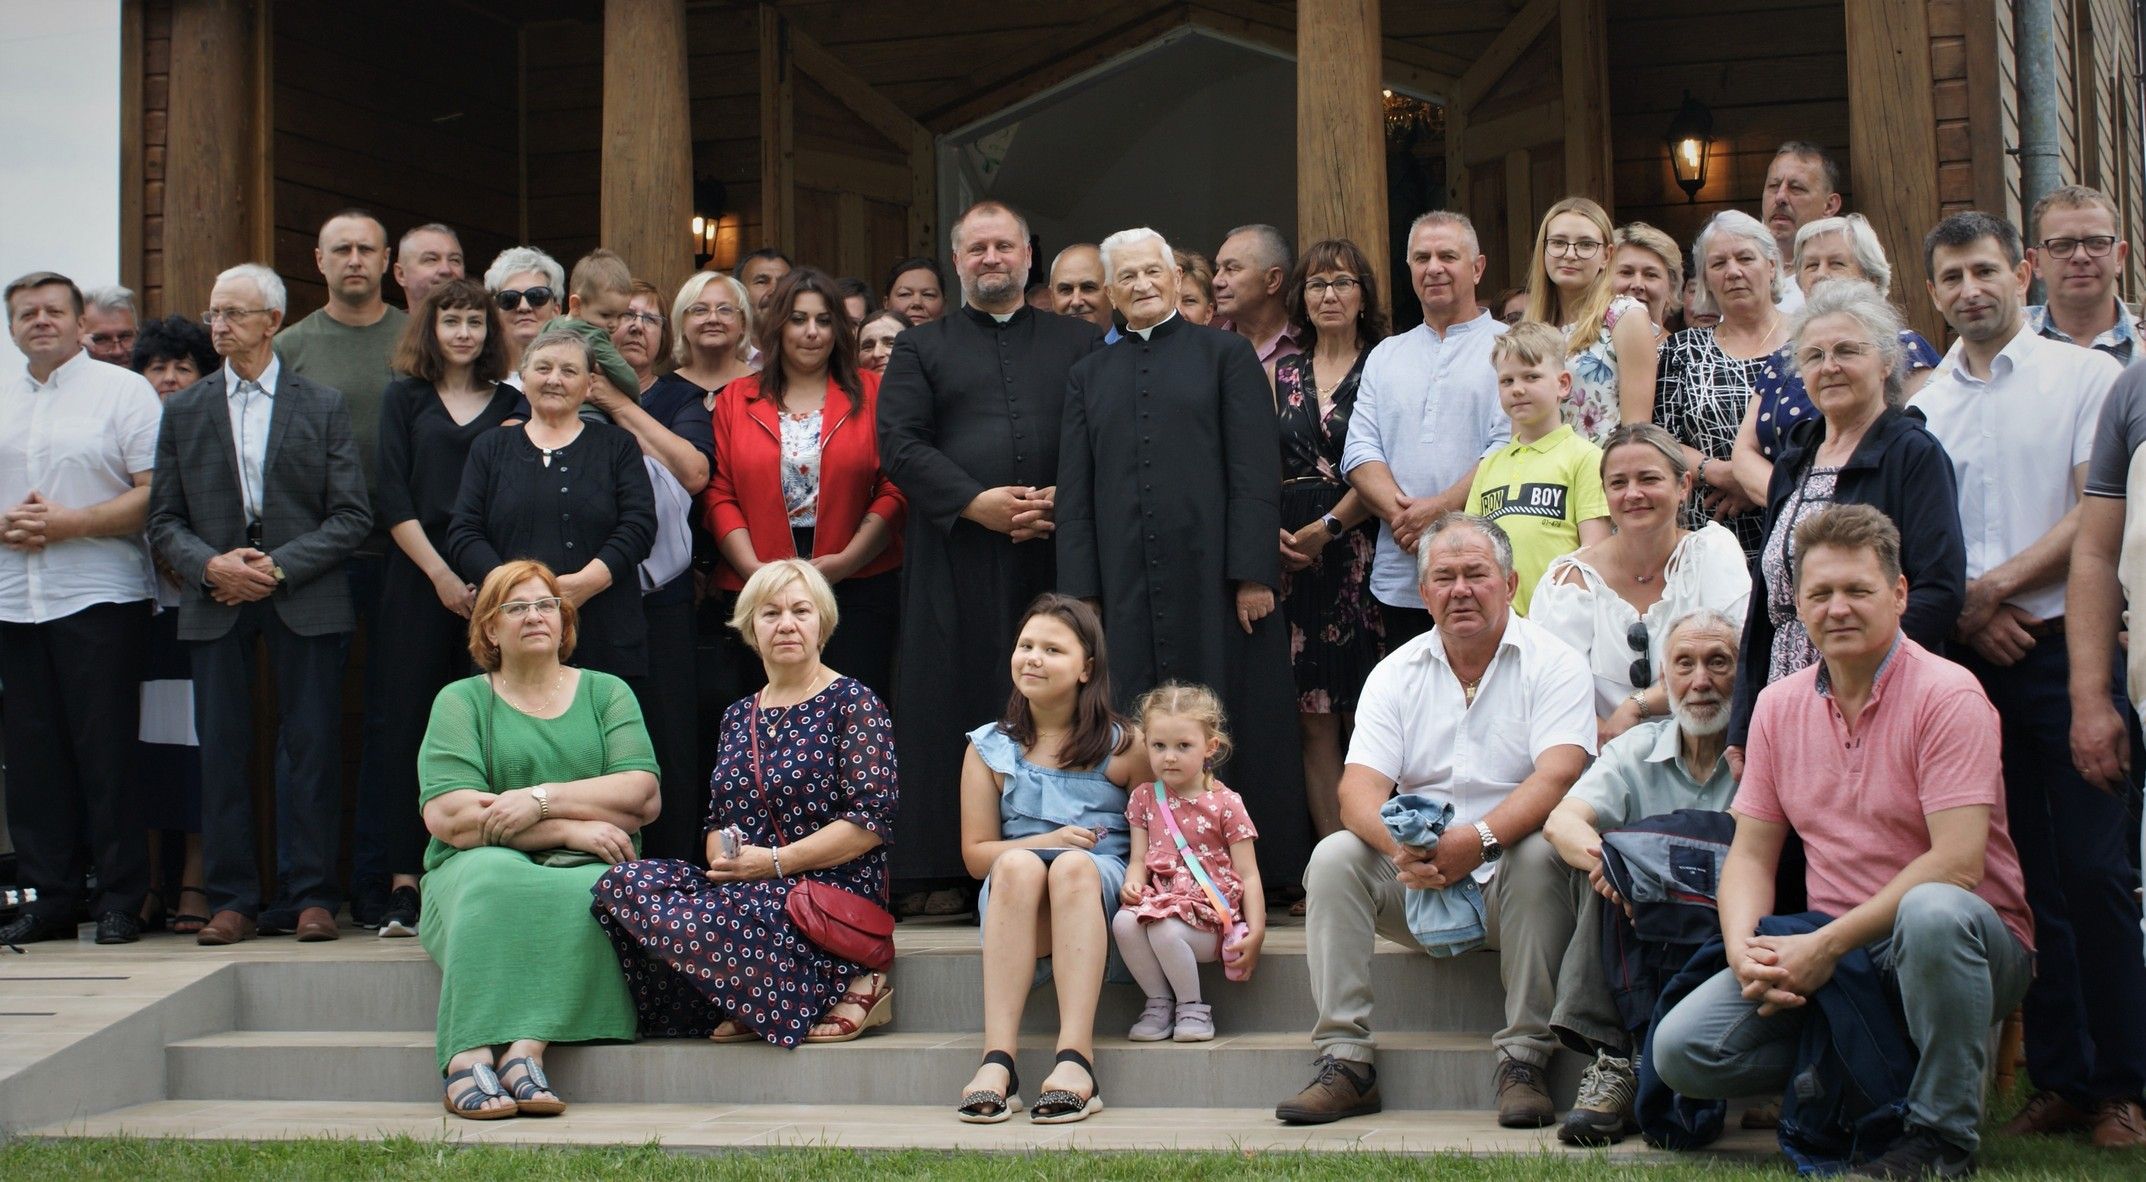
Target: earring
(1207, 764)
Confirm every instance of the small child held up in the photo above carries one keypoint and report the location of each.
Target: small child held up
(1170, 922)
(598, 292)
(1545, 487)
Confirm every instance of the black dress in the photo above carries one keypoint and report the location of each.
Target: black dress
(1336, 633)
(966, 404)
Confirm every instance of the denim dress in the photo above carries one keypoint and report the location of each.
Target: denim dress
(1036, 800)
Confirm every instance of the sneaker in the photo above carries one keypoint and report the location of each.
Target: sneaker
(1603, 1113)
(1337, 1092)
(1523, 1096)
(1919, 1154)
(1195, 1022)
(1154, 1024)
(118, 927)
(370, 905)
(400, 918)
(30, 929)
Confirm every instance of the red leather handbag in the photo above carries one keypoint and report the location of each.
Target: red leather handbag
(840, 922)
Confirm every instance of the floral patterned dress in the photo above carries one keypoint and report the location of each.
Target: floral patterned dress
(1700, 397)
(1594, 410)
(1212, 822)
(697, 952)
(1335, 631)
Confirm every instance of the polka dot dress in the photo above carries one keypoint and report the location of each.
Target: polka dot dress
(697, 952)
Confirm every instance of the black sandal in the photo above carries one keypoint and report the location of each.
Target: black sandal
(532, 1082)
(986, 1107)
(469, 1102)
(1061, 1107)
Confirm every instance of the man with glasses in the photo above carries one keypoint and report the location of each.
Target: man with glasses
(257, 503)
(2078, 254)
(109, 323)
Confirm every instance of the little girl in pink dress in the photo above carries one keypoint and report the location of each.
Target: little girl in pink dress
(1169, 924)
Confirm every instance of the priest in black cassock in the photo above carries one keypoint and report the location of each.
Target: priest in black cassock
(1169, 512)
(968, 430)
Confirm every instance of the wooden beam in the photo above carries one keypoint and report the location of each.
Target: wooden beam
(1985, 108)
(1456, 159)
(261, 174)
(1111, 31)
(1890, 136)
(210, 200)
(132, 153)
(1528, 127)
(849, 88)
(778, 112)
(646, 209)
(837, 172)
(1341, 135)
(1503, 53)
(1583, 40)
(923, 193)
(1519, 216)
(1404, 65)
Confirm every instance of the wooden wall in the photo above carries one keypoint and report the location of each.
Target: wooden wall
(155, 137)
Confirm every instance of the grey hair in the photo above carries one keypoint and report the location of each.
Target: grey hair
(1878, 318)
(556, 333)
(1448, 217)
(1736, 223)
(1273, 248)
(1704, 617)
(264, 279)
(403, 243)
(1133, 237)
(1453, 519)
(516, 259)
(1862, 243)
(110, 299)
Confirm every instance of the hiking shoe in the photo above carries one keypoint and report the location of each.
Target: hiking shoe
(1603, 1113)
(1523, 1095)
(1340, 1090)
(400, 918)
(1919, 1154)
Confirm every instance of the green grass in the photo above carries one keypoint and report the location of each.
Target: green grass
(135, 1160)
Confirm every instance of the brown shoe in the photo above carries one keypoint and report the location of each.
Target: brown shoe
(2120, 1124)
(2045, 1113)
(316, 924)
(228, 927)
(1340, 1090)
(1523, 1096)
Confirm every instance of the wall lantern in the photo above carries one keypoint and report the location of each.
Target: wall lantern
(1690, 134)
(715, 233)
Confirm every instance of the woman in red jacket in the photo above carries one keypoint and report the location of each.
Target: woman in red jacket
(797, 474)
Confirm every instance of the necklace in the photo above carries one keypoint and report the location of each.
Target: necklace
(550, 696)
(1468, 688)
(811, 687)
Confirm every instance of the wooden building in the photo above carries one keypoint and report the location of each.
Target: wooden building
(821, 126)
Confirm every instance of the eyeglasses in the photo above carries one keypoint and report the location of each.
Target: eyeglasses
(515, 609)
(2096, 246)
(106, 339)
(1317, 288)
(1845, 353)
(1641, 674)
(538, 297)
(213, 315)
(719, 311)
(1579, 248)
(648, 318)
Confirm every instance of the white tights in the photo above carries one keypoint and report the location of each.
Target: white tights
(1165, 954)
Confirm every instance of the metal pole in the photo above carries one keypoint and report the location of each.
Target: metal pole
(2035, 34)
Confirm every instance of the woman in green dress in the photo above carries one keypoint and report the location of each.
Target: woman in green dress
(535, 778)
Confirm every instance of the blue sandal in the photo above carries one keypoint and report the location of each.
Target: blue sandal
(531, 1086)
(469, 1102)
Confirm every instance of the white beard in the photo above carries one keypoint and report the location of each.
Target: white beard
(1700, 727)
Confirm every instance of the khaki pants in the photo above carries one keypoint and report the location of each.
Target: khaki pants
(1352, 896)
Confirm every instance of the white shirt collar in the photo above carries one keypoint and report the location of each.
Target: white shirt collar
(267, 381)
(58, 371)
(1002, 317)
(1142, 333)
(1435, 645)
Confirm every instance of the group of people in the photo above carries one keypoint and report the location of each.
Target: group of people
(1493, 585)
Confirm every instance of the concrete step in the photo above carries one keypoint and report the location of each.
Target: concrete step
(1417, 1069)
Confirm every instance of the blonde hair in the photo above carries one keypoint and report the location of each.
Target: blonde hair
(691, 292)
(503, 579)
(1181, 699)
(1542, 294)
(775, 576)
(1652, 240)
(1530, 342)
(601, 271)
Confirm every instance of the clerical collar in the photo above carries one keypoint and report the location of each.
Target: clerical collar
(1147, 333)
(990, 318)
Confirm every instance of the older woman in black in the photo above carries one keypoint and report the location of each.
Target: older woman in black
(570, 493)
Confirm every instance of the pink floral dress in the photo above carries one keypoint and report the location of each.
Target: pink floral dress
(1213, 821)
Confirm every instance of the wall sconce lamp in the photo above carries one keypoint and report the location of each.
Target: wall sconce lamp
(715, 233)
(1691, 133)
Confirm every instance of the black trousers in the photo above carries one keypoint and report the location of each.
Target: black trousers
(73, 716)
(1403, 624)
(670, 707)
(416, 647)
(309, 680)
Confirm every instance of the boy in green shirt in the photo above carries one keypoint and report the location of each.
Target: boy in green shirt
(598, 293)
(1545, 487)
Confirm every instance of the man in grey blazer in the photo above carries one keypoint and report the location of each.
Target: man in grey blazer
(257, 500)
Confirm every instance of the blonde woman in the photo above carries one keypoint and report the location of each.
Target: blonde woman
(1612, 355)
(714, 345)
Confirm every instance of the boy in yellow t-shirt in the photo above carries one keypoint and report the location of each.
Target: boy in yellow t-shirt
(1544, 489)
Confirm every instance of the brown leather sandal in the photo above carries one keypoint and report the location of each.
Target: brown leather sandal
(877, 1006)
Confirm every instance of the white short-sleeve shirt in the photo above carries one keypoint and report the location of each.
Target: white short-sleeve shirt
(77, 439)
(1415, 727)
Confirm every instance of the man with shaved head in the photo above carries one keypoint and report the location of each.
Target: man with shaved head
(1077, 287)
(1251, 269)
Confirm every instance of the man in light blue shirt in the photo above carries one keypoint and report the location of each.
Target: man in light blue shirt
(1426, 412)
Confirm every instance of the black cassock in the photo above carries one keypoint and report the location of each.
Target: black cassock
(1169, 495)
(965, 404)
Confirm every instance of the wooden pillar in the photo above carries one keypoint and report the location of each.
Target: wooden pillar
(778, 156)
(1892, 151)
(1341, 137)
(1583, 41)
(647, 208)
(215, 198)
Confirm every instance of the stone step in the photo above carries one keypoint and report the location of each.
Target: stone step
(1417, 1069)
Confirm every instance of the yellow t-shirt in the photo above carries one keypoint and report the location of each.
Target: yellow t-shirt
(1539, 493)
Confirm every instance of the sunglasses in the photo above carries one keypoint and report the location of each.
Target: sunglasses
(538, 297)
(1641, 674)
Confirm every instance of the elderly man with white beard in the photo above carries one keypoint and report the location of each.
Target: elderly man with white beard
(1657, 767)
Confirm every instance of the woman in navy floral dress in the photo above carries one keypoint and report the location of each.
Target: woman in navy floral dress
(712, 952)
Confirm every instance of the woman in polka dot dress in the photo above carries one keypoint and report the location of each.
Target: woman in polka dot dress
(712, 952)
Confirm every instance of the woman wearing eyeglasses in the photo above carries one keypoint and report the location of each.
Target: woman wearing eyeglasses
(530, 287)
(534, 779)
(1864, 448)
(1610, 338)
(1613, 601)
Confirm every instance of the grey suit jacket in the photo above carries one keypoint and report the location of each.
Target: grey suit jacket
(313, 507)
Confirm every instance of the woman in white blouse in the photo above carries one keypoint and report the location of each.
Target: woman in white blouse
(1613, 601)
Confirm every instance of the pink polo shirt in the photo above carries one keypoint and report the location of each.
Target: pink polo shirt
(1927, 741)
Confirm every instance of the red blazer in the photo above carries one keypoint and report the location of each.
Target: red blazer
(746, 489)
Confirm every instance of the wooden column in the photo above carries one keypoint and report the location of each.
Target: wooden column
(647, 208)
(1341, 138)
(214, 198)
(1583, 41)
(778, 151)
(1892, 152)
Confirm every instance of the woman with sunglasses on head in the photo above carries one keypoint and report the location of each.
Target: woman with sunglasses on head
(530, 287)
(1613, 601)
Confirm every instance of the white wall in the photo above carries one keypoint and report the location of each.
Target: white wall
(59, 143)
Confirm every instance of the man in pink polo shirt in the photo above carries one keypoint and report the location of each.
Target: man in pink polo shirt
(1884, 759)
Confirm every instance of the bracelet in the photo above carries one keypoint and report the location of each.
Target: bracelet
(1639, 699)
(775, 852)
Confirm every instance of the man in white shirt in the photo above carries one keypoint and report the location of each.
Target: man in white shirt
(77, 446)
(2017, 413)
(1495, 715)
(1427, 411)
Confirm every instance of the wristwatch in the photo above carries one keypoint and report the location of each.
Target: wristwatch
(1332, 524)
(1492, 851)
(1639, 699)
(542, 792)
(281, 577)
